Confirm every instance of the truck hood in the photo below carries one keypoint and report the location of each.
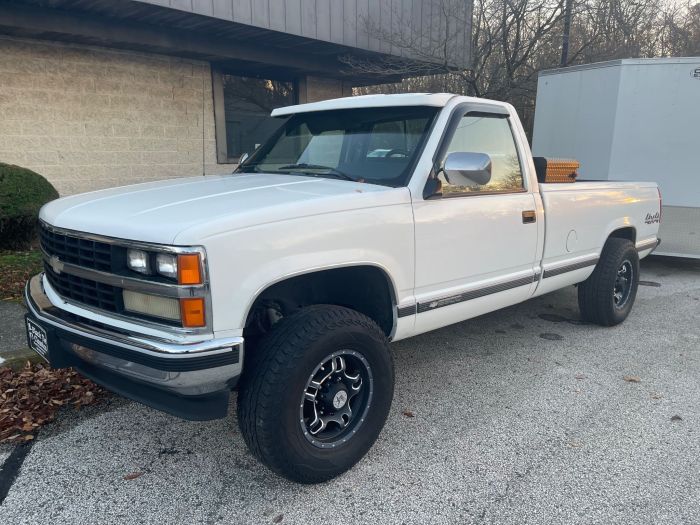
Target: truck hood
(190, 210)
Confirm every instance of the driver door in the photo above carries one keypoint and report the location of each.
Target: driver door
(475, 244)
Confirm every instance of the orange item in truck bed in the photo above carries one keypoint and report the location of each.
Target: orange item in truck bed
(556, 170)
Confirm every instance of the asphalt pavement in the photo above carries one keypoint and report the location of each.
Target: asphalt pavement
(524, 415)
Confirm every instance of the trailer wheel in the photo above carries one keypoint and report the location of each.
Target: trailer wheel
(316, 392)
(607, 296)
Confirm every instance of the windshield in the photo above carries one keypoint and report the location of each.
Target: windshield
(374, 145)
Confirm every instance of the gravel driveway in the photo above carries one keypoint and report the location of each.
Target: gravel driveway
(520, 416)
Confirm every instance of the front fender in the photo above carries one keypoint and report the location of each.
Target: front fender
(243, 263)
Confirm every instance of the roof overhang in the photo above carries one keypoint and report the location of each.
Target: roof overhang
(149, 28)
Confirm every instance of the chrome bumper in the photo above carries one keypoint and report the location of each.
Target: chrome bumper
(170, 375)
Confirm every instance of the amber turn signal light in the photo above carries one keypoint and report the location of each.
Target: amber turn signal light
(189, 269)
(192, 312)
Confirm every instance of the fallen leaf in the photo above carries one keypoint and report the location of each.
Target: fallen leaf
(33, 395)
(278, 518)
(676, 418)
(133, 475)
(408, 413)
(632, 379)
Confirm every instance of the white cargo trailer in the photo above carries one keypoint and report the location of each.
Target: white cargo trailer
(632, 119)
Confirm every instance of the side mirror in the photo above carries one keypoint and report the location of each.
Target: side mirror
(433, 189)
(467, 168)
(243, 158)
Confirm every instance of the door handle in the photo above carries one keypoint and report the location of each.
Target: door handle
(529, 217)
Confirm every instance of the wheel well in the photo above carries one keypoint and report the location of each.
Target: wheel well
(628, 233)
(366, 289)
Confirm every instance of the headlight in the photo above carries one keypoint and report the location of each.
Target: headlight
(166, 265)
(138, 261)
(185, 268)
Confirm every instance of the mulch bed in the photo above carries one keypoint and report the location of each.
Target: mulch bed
(32, 396)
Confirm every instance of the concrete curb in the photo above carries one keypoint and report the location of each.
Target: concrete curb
(13, 343)
(16, 359)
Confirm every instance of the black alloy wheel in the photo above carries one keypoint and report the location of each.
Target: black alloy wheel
(335, 401)
(607, 296)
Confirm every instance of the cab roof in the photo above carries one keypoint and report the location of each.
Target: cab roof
(369, 101)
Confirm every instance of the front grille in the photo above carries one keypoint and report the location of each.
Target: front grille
(85, 291)
(75, 250)
(86, 253)
(101, 260)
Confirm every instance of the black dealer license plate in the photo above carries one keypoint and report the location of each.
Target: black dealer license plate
(37, 339)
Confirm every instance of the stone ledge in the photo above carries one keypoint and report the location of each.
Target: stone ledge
(16, 359)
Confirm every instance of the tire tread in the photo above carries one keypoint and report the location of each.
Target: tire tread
(277, 354)
(594, 294)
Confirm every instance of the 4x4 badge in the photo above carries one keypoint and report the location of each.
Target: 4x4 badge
(651, 219)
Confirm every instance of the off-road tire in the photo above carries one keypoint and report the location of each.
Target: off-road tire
(275, 376)
(596, 299)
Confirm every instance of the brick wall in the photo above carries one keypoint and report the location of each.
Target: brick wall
(88, 118)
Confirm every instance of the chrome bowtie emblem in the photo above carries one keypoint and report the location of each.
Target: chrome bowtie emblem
(56, 264)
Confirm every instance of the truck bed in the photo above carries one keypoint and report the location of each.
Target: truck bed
(580, 216)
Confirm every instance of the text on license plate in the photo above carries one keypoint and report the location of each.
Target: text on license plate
(36, 337)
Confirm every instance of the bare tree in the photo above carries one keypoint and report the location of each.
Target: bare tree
(512, 40)
(680, 34)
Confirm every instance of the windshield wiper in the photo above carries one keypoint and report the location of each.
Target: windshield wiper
(331, 171)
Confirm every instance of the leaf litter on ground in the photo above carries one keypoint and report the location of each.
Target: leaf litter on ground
(16, 267)
(32, 396)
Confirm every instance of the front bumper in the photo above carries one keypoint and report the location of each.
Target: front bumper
(191, 379)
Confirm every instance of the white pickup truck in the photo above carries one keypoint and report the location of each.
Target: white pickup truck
(361, 221)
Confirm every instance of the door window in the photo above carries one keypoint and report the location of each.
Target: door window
(493, 136)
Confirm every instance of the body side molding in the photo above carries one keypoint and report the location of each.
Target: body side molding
(473, 294)
(645, 245)
(405, 311)
(551, 272)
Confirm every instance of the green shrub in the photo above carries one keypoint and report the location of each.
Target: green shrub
(22, 193)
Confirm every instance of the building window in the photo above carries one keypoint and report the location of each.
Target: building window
(242, 107)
